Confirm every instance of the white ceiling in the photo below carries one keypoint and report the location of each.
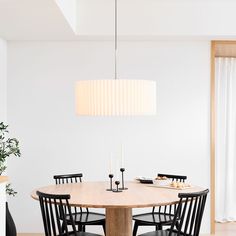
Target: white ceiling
(137, 19)
(33, 20)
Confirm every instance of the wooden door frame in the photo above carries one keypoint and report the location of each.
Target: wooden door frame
(214, 53)
(212, 138)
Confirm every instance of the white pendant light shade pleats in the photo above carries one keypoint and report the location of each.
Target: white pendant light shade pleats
(115, 97)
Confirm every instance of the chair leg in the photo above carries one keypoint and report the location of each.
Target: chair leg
(84, 228)
(135, 230)
(177, 225)
(63, 227)
(80, 228)
(158, 227)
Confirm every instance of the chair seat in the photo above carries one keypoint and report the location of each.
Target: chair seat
(87, 218)
(159, 233)
(154, 218)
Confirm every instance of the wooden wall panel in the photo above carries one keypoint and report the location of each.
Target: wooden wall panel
(218, 49)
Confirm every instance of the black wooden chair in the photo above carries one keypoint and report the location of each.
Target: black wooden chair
(188, 216)
(81, 217)
(163, 216)
(56, 211)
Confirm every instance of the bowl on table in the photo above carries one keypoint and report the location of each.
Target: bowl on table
(144, 180)
(162, 181)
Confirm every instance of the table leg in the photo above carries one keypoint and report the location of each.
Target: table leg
(118, 222)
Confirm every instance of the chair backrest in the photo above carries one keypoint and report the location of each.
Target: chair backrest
(180, 178)
(54, 209)
(170, 209)
(188, 216)
(68, 178)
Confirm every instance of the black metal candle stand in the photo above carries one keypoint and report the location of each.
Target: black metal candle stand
(117, 190)
(122, 170)
(110, 176)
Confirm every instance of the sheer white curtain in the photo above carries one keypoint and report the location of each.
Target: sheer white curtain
(225, 139)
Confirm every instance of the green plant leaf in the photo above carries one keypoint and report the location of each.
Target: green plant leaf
(8, 147)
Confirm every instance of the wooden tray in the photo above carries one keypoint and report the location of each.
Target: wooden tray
(169, 187)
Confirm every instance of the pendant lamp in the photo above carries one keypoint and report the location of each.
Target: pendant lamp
(115, 97)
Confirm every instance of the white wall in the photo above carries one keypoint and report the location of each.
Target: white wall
(3, 117)
(3, 80)
(41, 79)
(3, 208)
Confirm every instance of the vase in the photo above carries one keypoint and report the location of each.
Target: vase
(10, 225)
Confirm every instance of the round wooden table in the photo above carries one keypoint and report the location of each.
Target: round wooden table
(118, 205)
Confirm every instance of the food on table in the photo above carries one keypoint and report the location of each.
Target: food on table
(177, 184)
(161, 178)
(162, 181)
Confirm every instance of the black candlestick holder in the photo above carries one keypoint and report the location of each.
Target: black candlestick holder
(117, 190)
(110, 176)
(122, 170)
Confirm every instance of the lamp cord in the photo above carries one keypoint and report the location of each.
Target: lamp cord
(115, 39)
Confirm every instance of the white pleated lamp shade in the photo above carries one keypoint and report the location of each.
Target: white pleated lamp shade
(115, 97)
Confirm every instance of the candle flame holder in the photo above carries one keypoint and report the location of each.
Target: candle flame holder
(110, 176)
(117, 190)
(122, 170)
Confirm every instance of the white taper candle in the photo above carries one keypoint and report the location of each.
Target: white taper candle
(122, 156)
(110, 165)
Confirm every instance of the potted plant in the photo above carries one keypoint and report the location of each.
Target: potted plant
(8, 147)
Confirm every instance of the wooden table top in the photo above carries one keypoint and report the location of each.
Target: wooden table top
(94, 195)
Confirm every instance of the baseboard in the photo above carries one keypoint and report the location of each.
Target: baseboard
(30, 234)
(38, 234)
